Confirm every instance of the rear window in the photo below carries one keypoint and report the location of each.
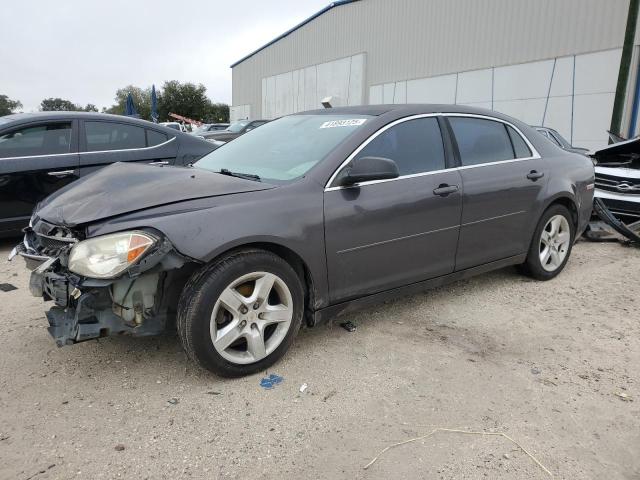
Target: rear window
(102, 136)
(44, 139)
(481, 141)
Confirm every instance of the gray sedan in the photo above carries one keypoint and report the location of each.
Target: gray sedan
(305, 218)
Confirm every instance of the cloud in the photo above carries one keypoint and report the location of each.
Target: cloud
(83, 50)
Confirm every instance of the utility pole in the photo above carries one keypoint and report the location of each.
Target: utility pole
(625, 63)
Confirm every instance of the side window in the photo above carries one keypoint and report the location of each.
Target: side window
(519, 145)
(113, 136)
(481, 141)
(47, 139)
(155, 138)
(415, 145)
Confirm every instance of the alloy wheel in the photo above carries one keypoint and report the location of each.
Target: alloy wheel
(251, 317)
(554, 243)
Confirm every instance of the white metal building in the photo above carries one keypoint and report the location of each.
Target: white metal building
(551, 62)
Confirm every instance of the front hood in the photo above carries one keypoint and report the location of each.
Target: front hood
(624, 153)
(126, 187)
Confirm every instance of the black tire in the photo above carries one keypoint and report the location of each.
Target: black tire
(201, 293)
(533, 265)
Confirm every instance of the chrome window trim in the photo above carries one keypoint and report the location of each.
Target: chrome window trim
(97, 151)
(534, 153)
(129, 149)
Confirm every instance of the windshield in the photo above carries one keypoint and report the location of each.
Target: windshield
(283, 149)
(237, 126)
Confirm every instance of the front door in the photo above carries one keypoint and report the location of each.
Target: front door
(385, 234)
(503, 179)
(35, 160)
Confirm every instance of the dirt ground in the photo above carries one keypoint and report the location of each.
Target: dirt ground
(555, 365)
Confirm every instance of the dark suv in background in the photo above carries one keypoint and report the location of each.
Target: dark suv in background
(42, 152)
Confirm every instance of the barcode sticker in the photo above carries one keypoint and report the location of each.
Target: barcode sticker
(353, 122)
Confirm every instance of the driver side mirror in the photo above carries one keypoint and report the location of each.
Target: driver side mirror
(365, 169)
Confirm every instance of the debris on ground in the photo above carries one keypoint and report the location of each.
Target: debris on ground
(213, 392)
(7, 287)
(625, 397)
(535, 371)
(173, 401)
(618, 231)
(271, 381)
(119, 447)
(348, 326)
(464, 432)
(303, 387)
(329, 395)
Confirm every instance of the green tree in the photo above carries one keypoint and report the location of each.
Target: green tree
(185, 99)
(218, 113)
(141, 100)
(8, 106)
(58, 105)
(90, 107)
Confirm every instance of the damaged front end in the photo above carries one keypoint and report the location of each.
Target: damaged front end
(617, 192)
(133, 302)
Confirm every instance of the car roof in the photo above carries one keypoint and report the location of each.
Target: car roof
(404, 109)
(17, 118)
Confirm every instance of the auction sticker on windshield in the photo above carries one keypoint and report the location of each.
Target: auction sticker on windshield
(352, 122)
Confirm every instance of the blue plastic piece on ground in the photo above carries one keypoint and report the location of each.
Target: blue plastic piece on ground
(271, 381)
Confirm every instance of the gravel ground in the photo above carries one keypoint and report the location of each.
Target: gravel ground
(544, 363)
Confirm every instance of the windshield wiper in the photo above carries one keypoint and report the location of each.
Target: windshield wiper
(246, 176)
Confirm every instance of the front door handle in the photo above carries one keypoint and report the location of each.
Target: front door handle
(62, 173)
(163, 162)
(533, 175)
(443, 190)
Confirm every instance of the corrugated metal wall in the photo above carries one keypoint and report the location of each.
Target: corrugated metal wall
(406, 39)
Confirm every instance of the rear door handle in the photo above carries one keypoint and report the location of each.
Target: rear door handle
(533, 175)
(163, 162)
(443, 190)
(62, 173)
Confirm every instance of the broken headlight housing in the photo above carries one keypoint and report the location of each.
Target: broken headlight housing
(108, 256)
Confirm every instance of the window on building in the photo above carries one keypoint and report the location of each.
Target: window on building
(415, 145)
(113, 136)
(45, 139)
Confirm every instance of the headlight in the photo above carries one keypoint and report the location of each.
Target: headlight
(109, 255)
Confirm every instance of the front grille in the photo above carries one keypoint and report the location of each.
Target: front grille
(615, 184)
(49, 240)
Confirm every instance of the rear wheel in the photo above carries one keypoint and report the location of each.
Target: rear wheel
(551, 244)
(240, 315)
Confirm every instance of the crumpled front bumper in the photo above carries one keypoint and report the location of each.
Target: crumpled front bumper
(82, 315)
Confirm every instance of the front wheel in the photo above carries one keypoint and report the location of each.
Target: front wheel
(551, 244)
(239, 315)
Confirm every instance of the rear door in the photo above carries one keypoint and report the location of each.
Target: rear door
(503, 179)
(389, 233)
(36, 159)
(103, 142)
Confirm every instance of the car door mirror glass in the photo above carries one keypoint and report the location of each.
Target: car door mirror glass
(366, 169)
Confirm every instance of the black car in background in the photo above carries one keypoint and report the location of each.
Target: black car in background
(234, 131)
(42, 152)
